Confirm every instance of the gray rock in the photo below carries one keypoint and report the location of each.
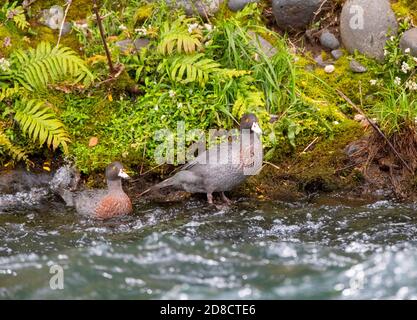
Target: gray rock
(262, 44)
(409, 41)
(124, 45)
(329, 40)
(365, 24)
(236, 5)
(127, 44)
(52, 17)
(319, 60)
(141, 43)
(337, 54)
(294, 14)
(356, 67)
(66, 28)
(203, 8)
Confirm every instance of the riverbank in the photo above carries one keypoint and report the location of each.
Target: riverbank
(252, 59)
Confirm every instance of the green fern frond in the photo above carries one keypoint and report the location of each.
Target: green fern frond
(179, 37)
(194, 68)
(40, 123)
(20, 19)
(36, 68)
(248, 99)
(8, 93)
(15, 152)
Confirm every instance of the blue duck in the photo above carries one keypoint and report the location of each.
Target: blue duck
(222, 167)
(99, 203)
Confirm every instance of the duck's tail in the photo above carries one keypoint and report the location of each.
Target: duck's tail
(164, 184)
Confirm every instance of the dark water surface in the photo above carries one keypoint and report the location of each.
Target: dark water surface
(325, 249)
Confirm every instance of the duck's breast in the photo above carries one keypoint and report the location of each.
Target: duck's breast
(113, 205)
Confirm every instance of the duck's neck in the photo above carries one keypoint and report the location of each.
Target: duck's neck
(248, 140)
(114, 185)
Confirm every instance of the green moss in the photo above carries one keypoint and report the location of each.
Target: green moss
(79, 9)
(17, 39)
(319, 86)
(406, 8)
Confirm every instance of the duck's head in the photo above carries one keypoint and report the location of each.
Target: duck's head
(250, 122)
(115, 171)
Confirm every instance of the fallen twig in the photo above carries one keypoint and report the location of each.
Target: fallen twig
(100, 27)
(376, 128)
(63, 21)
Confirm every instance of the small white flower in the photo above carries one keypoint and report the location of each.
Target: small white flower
(373, 82)
(405, 67)
(408, 50)
(4, 64)
(141, 31)
(392, 38)
(208, 27)
(122, 27)
(179, 105)
(415, 59)
(172, 93)
(386, 52)
(192, 27)
(336, 122)
(156, 108)
(397, 81)
(411, 85)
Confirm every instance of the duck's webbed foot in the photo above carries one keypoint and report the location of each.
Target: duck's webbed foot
(226, 199)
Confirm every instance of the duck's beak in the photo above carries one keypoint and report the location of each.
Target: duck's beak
(255, 128)
(122, 174)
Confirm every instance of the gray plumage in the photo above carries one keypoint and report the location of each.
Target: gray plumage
(224, 166)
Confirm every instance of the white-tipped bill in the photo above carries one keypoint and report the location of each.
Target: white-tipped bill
(256, 128)
(123, 174)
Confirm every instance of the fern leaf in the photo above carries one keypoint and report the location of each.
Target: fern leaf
(40, 123)
(177, 36)
(194, 68)
(34, 69)
(8, 93)
(15, 152)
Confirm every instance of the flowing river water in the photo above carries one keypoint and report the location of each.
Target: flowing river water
(327, 248)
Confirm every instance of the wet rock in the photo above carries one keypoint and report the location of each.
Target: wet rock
(20, 180)
(262, 44)
(294, 14)
(200, 7)
(365, 24)
(329, 40)
(409, 41)
(337, 54)
(356, 67)
(236, 5)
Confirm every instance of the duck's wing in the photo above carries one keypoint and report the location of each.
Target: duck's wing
(86, 201)
(220, 154)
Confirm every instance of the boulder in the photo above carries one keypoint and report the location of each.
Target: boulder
(236, 5)
(365, 26)
(294, 14)
(203, 8)
(409, 41)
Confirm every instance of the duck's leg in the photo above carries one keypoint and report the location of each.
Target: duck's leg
(210, 198)
(226, 199)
